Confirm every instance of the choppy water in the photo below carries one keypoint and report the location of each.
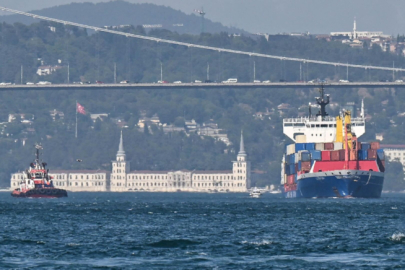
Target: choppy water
(201, 231)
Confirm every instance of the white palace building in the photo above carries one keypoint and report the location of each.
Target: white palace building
(122, 179)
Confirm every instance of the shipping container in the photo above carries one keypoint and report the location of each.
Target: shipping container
(305, 166)
(337, 145)
(362, 154)
(290, 179)
(319, 146)
(375, 145)
(290, 149)
(287, 169)
(301, 139)
(328, 146)
(353, 155)
(305, 156)
(299, 166)
(292, 159)
(315, 155)
(334, 155)
(326, 155)
(310, 146)
(365, 146)
(371, 154)
(342, 154)
(292, 168)
(380, 154)
(299, 147)
(296, 158)
(296, 167)
(295, 178)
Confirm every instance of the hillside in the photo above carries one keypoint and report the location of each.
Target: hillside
(123, 13)
(256, 111)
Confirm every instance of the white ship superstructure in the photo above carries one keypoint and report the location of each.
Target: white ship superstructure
(320, 128)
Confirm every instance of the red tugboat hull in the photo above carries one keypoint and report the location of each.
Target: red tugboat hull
(40, 193)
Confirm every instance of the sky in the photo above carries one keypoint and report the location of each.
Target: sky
(276, 16)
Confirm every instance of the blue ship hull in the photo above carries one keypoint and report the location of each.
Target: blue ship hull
(319, 185)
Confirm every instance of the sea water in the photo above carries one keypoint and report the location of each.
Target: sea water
(201, 231)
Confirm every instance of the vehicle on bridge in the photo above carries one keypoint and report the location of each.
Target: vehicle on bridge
(162, 82)
(343, 81)
(231, 80)
(125, 81)
(256, 81)
(99, 82)
(267, 81)
(177, 82)
(399, 81)
(44, 83)
(197, 81)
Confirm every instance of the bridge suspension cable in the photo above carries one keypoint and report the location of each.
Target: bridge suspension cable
(283, 58)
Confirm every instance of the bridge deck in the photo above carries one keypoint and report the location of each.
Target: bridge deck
(135, 86)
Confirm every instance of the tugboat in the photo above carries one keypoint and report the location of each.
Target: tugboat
(37, 183)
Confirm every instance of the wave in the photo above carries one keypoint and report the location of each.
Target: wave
(174, 243)
(261, 243)
(397, 237)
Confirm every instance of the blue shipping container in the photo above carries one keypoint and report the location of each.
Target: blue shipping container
(310, 146)
(305, 156)
(363, 155)
(380, 154)
(299, 147)
(295, 179)
(292, 168)
(287, 169)
(316, 154)
(291, 159)
(299, 165)
(365, 146)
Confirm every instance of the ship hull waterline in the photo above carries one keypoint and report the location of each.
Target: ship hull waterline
(40, 193)
(319, 185)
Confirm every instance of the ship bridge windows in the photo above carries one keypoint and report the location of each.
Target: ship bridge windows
(299, 125)
(324, 125)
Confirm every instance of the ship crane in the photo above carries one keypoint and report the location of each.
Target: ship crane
(202, 14)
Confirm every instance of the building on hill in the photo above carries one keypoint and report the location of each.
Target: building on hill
(121, 179)
(395, 152)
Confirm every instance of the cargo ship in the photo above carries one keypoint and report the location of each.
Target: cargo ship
(36, 182)
(326, 158)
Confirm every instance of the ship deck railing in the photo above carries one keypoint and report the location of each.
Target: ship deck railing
(314, 119)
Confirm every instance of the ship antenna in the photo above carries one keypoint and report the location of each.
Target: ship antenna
(37, 147)
(322, 102)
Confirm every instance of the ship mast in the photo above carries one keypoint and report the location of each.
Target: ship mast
(38, 147)
(322, 102)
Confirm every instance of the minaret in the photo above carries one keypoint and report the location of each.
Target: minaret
(121, 152)
(241, 169)
(120, 168)
(242, 153)
(354, 29)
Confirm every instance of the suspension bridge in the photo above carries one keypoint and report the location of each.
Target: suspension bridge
(191, 45)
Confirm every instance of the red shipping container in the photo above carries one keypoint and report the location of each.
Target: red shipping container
(326, 155)
(342, 154)
(305, 166)
(375, 145)
(328, 146)
(290, 179)
(334, 155)
(372, 154)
